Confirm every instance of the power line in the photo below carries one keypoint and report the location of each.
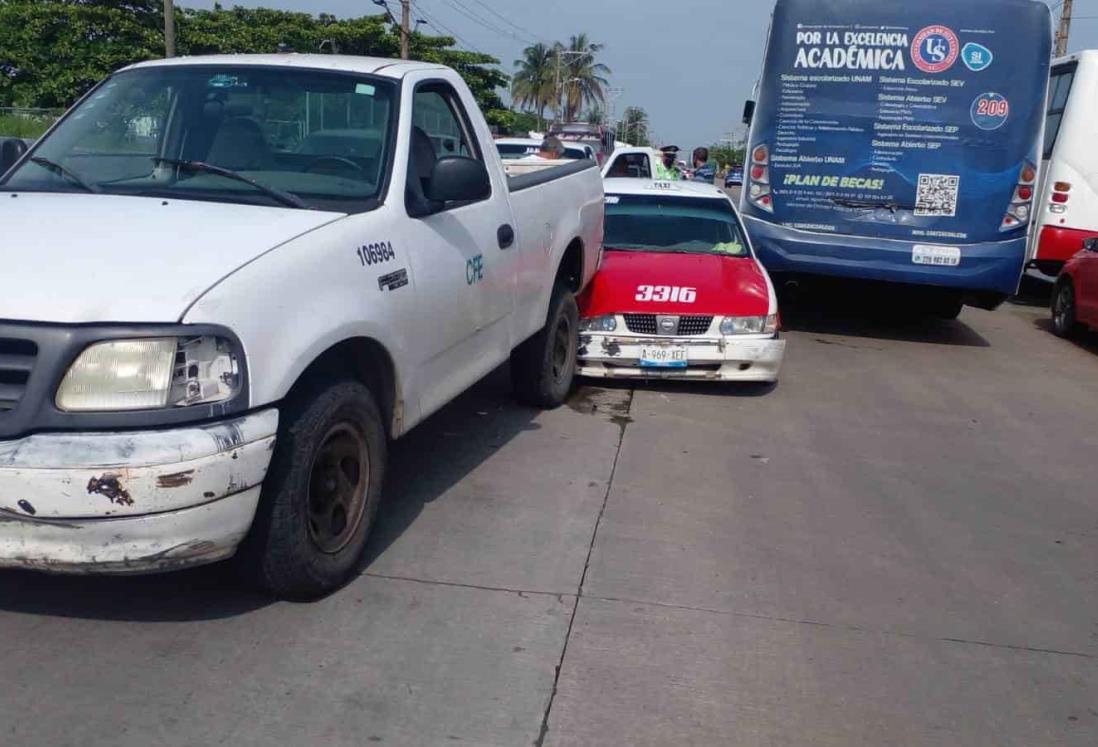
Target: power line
(473, 16)
(444, 29)
(507, 20)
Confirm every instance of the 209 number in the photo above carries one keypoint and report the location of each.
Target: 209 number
(373, 254)
(666, 294)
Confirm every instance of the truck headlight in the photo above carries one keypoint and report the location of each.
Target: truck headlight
(149, 374)
(607, 323)
(749, 325)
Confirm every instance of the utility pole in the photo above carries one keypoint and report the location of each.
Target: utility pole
(1065, 29)
(405, 28)
(169, 28)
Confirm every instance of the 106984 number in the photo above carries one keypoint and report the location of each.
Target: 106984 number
(373, 254)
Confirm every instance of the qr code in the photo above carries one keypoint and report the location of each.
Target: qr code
(937, 195)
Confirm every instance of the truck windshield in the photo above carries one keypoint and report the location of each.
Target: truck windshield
(676, 225)
(224, 133)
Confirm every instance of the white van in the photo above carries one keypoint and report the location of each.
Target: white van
(1067, 205)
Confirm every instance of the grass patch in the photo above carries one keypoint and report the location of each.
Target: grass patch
(31, 127)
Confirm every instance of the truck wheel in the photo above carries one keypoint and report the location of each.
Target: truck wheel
(321, 493)
(1064, 322)
(544, 367)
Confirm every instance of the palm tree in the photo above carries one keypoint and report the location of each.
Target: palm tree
(633, 127)
(534, 84)
(583, 80)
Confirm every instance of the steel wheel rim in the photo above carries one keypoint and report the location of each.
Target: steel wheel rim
(339, 479)
(562, 348)
(1064, 303)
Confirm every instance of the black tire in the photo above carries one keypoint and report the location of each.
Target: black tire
(544, 367)
(321, 493)
(1064, 322)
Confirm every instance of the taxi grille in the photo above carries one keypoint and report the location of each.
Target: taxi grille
(687, 326)
(694, 325)
(641, 324)
(16, 363)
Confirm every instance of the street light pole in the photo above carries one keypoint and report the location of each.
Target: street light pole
(169, 28)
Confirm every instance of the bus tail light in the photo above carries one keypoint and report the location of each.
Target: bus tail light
(759, 190)
(1061, 193)
(1021, 204)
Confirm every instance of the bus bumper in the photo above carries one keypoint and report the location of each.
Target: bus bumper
(987, 271)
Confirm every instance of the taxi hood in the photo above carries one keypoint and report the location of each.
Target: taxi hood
(76, 258)
(725, 286)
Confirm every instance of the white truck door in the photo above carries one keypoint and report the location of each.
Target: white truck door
(463, 257)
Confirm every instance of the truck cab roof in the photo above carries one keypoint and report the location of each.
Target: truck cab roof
(381, 66)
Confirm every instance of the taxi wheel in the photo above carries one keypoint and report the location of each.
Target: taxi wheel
(544, 367)
(1064, 322)
(320, 495)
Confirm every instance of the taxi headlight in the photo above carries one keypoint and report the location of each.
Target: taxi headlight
(607, 323)
(749, 325)
(149, 374)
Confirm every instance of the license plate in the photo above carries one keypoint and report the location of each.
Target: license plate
(941, 256)
(663, 356)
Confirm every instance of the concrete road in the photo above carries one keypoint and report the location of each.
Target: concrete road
(896, 545)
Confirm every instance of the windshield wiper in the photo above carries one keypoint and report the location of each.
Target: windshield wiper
(56, 168)
(869, 204)
(202, 167)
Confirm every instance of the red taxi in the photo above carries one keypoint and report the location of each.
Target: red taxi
(680, 293)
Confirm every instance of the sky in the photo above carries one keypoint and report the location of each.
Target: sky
(689, 63)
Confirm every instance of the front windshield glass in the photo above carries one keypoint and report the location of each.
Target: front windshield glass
(322, 138)
(673, 224)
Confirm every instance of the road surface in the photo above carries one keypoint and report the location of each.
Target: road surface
(896, 545)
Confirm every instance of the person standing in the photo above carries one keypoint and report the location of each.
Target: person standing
(703, 170)
(666, 171)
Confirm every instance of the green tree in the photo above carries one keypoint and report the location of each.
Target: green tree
(726, 155)
(583, 79)
(534, 84)
(52, 51)
(633, 127)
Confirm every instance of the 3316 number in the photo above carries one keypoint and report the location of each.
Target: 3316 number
(666, 294)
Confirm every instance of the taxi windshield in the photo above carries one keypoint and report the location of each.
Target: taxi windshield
(673, 224)
(225, 133)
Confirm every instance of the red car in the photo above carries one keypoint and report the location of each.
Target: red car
(680, 293)
(1075, 299)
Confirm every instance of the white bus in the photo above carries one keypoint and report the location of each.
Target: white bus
(1067, 206)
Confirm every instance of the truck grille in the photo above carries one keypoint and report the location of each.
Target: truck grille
(687, 326)
(16, 363)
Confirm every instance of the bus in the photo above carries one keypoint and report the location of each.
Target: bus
(900, 143)
(1067, 200)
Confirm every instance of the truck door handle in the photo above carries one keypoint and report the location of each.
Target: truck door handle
(506, 236)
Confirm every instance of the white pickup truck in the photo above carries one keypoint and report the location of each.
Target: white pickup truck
(229, 281)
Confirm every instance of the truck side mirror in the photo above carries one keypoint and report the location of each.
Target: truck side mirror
(11, 150)
(748, 111)
(458, 179)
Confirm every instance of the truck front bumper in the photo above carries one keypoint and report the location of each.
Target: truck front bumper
(137, 502)
(613, 356)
